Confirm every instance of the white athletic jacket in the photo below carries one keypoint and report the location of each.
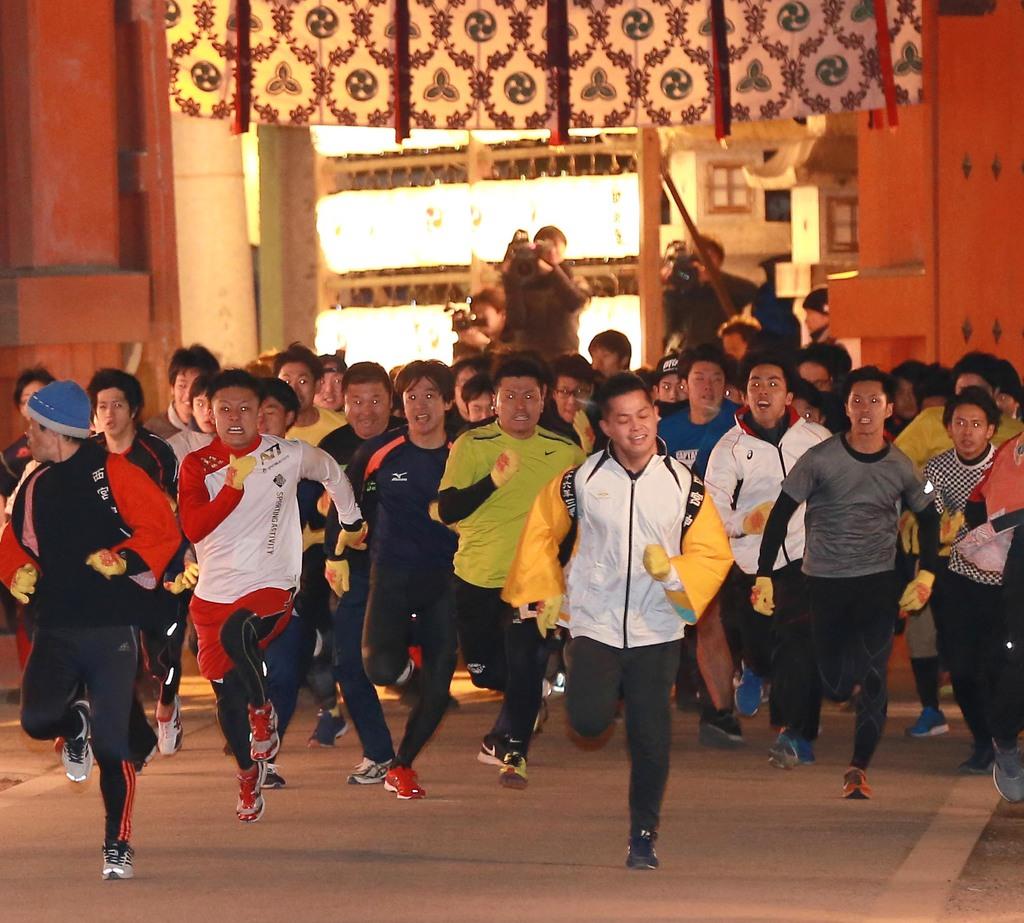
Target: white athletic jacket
(744, 471)
(609, 595)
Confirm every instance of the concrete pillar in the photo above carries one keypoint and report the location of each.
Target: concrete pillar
(215, 263)
(289, 291)
(652, 318)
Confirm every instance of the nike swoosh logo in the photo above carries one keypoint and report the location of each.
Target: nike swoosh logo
(552, 452)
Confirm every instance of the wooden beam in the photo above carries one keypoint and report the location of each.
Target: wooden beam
(652, 316)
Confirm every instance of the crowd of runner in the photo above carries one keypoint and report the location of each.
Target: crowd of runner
(727, 532)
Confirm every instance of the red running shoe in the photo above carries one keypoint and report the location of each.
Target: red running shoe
(264, 743)
(250, 796)
(403, 781)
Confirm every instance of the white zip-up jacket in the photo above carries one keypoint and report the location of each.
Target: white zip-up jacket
(608, 595)
(745, 471)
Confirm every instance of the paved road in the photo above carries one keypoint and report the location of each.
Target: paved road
(740, 841)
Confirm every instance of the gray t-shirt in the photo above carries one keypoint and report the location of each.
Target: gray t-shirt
(853, 506)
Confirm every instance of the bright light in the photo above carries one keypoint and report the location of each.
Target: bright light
(445, 225)
(398, 334)
(340, 140)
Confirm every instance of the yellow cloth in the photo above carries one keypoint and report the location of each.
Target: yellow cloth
(926, 436)
(581, 423)
(328, 422)
(488, 537)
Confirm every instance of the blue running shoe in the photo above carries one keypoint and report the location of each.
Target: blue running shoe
(790, 750)
(329, 727)
(748, 693)
(930, 723)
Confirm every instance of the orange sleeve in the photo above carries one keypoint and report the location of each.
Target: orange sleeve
(144, 508)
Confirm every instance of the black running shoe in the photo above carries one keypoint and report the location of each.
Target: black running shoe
(641, 853)
(720, 729)
(492, 750)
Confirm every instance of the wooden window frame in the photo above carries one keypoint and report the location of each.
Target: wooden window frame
(830, 224)
(709, 189)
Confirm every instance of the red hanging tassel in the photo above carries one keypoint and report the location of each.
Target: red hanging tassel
(403, 77)
(558, 67)
(243, 66)
(885, 63)
(721, 78)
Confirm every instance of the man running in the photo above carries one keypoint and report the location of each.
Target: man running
(116, 399)
(853, 484)
(237, 501)
(744, 475)
(493, 475)
(649, 556)
(89, 538)
(395, 477)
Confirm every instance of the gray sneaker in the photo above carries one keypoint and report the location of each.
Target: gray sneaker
(76, 753)
(1008, 774)
(368, 772)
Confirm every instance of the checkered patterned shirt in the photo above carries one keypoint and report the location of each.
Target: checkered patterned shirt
(954, 481)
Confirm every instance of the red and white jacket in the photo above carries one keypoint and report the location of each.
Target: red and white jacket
(745, 471)
(251, 539)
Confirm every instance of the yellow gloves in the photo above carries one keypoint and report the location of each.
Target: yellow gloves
(657, 563)
(239, 469)
(918, 592)
(949, 527)
(337, 576)
(356, 540)
(186, 580)
(548, 611)
(754, 521)
(505, 468)
(23, 583)
(762, 597)
(107, 563)
(908, 533)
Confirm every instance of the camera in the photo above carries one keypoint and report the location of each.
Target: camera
(463, 317)
(523, 256)
(679, 268)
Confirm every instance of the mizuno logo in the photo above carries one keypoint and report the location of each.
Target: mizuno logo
(124, 648)
(402, 476)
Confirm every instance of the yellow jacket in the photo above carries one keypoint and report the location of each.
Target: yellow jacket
(608, 595)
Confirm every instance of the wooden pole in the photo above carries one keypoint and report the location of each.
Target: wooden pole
(652, 316)
(716, 277)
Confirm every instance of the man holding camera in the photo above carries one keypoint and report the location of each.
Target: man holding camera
(693, 313)
(481, 323)
(543, 300)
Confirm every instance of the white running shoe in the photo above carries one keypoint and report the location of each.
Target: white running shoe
(368, 772)
(169, 733)
(76, 753)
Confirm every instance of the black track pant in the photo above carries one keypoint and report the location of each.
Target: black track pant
(971, 638)
(643, 676)
(104, 660)
(1006, 716)
(396, 594)
(779, 647)
(853, 620)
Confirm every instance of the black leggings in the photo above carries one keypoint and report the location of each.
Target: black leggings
(643, 676)
(241, 635)
(233, 716)
(853, 621)
(971, 638)
(481, 616)
(396, 594)
(104, 660)
(1006, 716)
